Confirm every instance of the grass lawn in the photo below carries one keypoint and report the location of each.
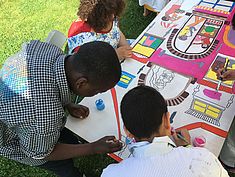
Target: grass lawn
(23, 20)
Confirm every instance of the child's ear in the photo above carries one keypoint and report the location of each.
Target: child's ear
(81, 82)
(128, 134)
(166, 121)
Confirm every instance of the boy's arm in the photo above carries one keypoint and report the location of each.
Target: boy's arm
(44, 145)
(106, 144)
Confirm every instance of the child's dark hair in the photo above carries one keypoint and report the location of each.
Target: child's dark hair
(98, 62)
(99, 13)
(142, 109)
(233, 22)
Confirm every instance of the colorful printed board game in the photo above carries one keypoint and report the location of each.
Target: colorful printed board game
(178, 54)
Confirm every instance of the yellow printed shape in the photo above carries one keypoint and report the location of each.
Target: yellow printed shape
(146, 51)
(233, 66)
(126, 77)
(142, 40)
(199, 108)
(214, 109)
(212, 114)
(200, 104)
(124, 80)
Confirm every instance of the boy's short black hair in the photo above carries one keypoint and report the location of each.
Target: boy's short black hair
(98, 61)
(142, 109)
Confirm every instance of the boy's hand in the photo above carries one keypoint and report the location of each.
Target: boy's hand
(78, 111)
(124, 52)
(107, 144)
(228, 75)
(185, 134)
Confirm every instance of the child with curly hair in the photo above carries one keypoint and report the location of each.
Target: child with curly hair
(98, 21)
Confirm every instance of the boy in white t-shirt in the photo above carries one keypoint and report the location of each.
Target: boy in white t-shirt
(146, 119)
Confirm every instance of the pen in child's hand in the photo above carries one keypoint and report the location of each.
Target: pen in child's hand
(178, 134)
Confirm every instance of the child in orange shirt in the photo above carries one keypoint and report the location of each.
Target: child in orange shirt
(97, 21)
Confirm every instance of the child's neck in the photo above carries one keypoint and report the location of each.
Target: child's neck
(150, 139)
(108, 27)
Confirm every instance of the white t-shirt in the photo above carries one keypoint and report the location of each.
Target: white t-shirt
(161, 159)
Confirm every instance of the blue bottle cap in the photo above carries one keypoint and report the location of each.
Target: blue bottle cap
(99, 104)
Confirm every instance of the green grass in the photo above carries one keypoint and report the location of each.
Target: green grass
(133, 22)
(23, 20)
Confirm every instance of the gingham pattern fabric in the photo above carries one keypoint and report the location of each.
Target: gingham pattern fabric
(33, 92)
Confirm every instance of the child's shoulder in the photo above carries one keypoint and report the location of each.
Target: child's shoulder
(202, 161)
(120, 169)
(78, 26)
(195, 152)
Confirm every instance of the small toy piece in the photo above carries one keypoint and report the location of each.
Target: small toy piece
(99, 104)
(199, 141)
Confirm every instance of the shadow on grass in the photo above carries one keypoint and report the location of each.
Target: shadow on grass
(93, 165)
